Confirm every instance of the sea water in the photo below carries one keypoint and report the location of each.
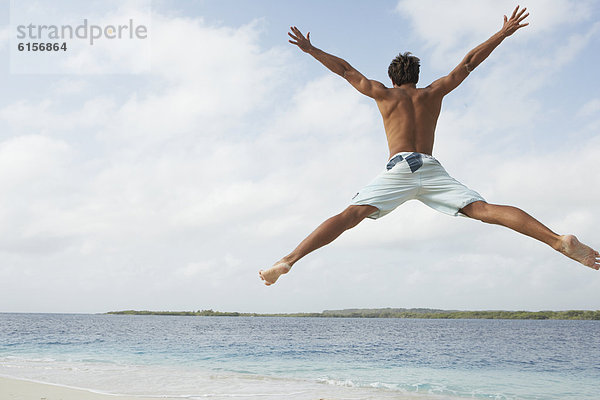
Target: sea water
(305, 358)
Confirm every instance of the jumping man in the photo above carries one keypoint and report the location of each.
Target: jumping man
(410, 116)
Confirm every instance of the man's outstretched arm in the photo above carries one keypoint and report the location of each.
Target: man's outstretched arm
(337, 65)
(476, 56)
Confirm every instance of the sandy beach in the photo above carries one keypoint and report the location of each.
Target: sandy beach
(18, 389)
(15, 389)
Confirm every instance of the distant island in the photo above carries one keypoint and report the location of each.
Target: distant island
(390, 313)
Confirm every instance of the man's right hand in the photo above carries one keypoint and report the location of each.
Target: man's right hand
(299, 40)
(511, 25)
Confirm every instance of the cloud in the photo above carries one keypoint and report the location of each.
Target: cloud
(4, 37)
(590, 108)
(169, 189)
(185, 159)
(70, 86)
(32, 169)
(51, 116)
(453, 28)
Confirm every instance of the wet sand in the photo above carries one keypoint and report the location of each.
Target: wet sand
(15, 389)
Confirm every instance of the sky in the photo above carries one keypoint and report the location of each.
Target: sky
(163, 173)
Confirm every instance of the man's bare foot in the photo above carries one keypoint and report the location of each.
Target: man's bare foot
(271, 275)
(573, 248)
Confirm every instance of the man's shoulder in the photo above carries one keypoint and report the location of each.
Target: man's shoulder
(426, 89)
(430, 93)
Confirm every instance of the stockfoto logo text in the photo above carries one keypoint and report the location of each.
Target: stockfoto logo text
(84, 31)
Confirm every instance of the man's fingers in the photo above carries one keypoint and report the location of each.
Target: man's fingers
(519, 15)
(295, 37)
(522, 18)
(514, 12)
(297, 31)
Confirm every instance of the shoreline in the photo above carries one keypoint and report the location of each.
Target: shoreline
(402, 313)
(12, 388)
(23, 389)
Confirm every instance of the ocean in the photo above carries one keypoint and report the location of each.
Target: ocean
(305, 358)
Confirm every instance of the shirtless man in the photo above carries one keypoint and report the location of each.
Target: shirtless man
(409, 116)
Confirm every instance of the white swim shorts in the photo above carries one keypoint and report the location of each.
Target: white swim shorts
(415, 176)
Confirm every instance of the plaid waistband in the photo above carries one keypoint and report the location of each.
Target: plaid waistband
(414, 160)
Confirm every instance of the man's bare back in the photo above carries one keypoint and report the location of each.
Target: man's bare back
(410, 115)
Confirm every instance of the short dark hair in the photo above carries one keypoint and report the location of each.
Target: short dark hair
(404, 69)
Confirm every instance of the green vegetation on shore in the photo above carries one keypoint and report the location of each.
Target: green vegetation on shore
(391, 313)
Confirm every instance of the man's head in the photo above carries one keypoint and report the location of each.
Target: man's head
(404, 69)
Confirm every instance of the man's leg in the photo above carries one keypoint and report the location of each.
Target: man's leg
(326, 233)
(518, 220)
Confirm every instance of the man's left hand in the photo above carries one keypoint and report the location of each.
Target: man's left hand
(299, 40)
